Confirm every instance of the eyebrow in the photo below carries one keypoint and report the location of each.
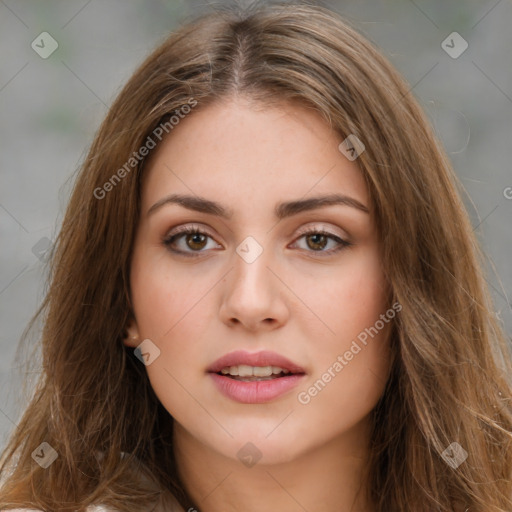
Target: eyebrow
(281, 211)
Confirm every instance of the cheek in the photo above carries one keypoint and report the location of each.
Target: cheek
(352, 356)
(351, 380)
(351, 298)
(164, 307)
(349, 377)
(165, 298)
(171, 310)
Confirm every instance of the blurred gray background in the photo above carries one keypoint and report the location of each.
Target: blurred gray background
(52, 103)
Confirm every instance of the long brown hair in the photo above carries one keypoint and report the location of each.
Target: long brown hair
(450, 378)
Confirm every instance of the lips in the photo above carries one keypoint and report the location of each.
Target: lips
(254, 389)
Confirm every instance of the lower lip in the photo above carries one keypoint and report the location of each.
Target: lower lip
(257, 392)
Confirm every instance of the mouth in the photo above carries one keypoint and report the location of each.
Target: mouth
(246, 373)
(254, 378)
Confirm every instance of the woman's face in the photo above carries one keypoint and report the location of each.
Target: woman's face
(260, 289)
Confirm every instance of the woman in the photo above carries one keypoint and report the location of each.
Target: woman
(266, 294)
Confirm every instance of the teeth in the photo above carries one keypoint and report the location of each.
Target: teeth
(262, 371)
(243, 370)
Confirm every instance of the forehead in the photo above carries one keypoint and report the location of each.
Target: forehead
(243, 153)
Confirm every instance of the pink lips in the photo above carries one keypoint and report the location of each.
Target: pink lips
(255, 392)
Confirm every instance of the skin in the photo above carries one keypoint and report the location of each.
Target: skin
(294, 299)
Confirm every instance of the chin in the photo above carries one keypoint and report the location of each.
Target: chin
(253, 444)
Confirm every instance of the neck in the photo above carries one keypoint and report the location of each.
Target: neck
(329, 478)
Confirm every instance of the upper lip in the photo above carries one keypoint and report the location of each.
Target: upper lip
(263, 358)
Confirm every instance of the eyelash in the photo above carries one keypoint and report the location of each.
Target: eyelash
(193, 230)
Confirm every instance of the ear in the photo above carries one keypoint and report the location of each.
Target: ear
(131, 334)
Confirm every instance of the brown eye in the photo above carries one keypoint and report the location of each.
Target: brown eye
(318, 241)
(196, 241)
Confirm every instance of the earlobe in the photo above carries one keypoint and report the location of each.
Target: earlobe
(131, 334)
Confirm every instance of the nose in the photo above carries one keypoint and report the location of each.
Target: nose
(254, 296)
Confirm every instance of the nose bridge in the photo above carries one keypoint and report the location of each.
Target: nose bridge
(251, 261)
(252, 295)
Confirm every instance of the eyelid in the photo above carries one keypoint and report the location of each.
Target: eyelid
(185, 228)
(321, 227)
